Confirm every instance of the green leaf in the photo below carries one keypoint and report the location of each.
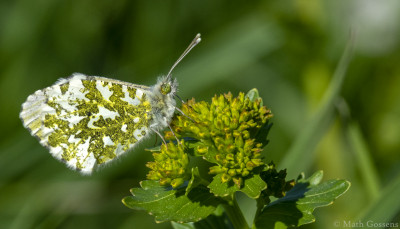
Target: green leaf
(314, 179)
(296, 208)
(252, 187)
(167, 204)
(216, 220)
(253, 95)
(195, 180)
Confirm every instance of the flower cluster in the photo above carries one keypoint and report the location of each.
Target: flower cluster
(170, 165)
(226, 131)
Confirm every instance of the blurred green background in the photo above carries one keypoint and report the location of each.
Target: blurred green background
(287, 49)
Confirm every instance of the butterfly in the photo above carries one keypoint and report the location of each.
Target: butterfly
(86, 121)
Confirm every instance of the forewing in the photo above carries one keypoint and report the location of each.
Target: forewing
(86, 120)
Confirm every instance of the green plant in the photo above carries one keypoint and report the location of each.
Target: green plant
(193, 182)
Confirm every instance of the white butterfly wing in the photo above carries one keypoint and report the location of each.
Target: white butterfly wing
(86, 121)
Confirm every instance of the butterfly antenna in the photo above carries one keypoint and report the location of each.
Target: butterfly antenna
(195, 41)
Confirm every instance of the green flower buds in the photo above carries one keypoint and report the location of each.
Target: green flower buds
(170, 165)
(226, 131)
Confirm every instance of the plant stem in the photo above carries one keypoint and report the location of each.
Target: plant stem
(235, 215)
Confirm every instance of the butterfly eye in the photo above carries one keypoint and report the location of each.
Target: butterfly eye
(165, 88)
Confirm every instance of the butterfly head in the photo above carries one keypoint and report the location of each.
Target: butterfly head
(167, 86)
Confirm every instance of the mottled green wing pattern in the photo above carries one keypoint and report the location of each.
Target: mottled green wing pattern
(86, 120)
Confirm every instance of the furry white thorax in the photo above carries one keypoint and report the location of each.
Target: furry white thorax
(163, 106)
